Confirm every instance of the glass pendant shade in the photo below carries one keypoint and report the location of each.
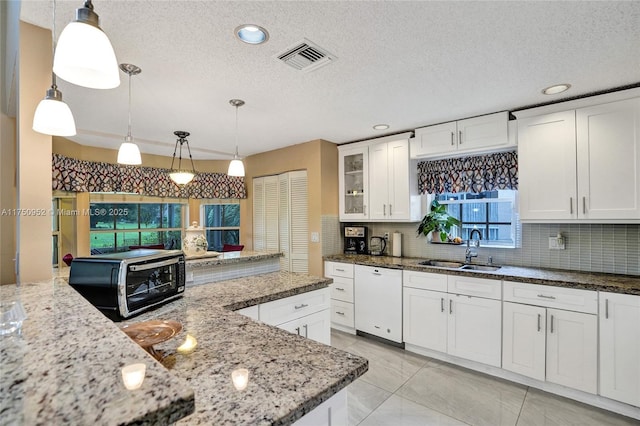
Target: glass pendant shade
(129, 154)
(54, 117)
(181, 177)
(84, 55)
(236, 168)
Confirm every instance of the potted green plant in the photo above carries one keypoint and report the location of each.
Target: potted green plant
(438, 221)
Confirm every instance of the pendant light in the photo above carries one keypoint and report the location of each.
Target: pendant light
(53, 116)
(129, 153)
(236, 167)
(181, 176)
(85, 56)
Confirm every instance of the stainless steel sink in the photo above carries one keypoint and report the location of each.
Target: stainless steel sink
(480, 267)
(442, 263)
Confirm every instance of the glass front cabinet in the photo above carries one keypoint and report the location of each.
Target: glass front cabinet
(354, 183)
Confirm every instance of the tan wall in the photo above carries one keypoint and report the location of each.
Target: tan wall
(322, 185)
(34, 157)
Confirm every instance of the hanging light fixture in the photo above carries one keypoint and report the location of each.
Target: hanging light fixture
(181, 176)
(85, 56)
(129, 153)
(53, 116)
(236, 167)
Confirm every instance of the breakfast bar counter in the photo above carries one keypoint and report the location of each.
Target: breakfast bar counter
(66, 368)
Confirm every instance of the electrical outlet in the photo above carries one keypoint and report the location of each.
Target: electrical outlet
(556, 243)
(315, 237)
(386, 235)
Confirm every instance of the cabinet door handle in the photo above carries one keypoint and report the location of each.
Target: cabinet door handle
(306, 330)
(300, 306)
(375, 326)
(450, 306)
(570, 205)
(340, 313)
(339, 270)
(584, 205)
(539, 318)
(544, 296)
(339, 289)
(384, 210)
(606, 308)
(390, 213)
(460, 137)
(442, 304)
(453, 135)
(364, 209)
(552, 323)
(298, 330)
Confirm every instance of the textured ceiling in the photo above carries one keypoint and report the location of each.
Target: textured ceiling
(407, 64)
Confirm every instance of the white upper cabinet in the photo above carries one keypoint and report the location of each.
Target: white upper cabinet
(353, 169)
(582, 164)
(477, 134)
(383, 165)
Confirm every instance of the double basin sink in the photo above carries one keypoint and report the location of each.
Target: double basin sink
(459, 265)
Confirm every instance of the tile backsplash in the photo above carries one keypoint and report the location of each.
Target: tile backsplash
(589, 247)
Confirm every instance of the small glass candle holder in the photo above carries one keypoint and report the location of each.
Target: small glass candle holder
(240, 378)
(133, 375)
(12, 315)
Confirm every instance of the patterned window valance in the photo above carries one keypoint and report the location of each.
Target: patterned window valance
(469, 174)
(70, 174)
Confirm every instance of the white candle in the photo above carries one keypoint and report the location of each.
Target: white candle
(133, 375)
(240, 378)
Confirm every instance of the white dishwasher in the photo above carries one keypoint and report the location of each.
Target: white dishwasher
(378, 302)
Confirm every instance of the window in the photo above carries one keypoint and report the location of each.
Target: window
(116, 227)
(221, 224)
(493, 213)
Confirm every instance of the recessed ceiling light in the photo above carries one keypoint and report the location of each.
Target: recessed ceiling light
(381, 127)
(252, 34)
(558, 88)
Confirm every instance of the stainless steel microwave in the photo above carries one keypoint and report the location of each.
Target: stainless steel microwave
(124, 284)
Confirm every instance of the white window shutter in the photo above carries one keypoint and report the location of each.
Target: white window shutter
(283, 216)
(259, 243)
(299, 221)
(271, 213)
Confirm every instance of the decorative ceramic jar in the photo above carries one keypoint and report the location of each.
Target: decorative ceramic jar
(195, 242)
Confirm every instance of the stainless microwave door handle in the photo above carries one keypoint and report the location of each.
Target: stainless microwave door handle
(114, 275)
(147, 266)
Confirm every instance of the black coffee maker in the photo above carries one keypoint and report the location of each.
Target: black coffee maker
(356, 240)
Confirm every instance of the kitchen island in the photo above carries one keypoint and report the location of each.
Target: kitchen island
(66, 369)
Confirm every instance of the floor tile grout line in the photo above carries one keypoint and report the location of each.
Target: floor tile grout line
(522, 406)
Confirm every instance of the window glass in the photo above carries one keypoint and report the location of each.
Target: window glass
(493, 213)
(222, 224)
(118, 226)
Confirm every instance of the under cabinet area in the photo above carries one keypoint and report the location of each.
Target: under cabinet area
(470, 135)
(550, 334)
(443, 313)
(581, 164)
(378, 302)
(620, 347)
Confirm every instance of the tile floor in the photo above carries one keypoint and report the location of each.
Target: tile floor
(406, 389)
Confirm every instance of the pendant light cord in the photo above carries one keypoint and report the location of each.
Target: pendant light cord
(129, 128)
(236, 156)
(53, 47)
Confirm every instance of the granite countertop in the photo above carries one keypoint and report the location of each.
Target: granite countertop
(288, 374)
(66, 368)
(627, 284)
(227, 258)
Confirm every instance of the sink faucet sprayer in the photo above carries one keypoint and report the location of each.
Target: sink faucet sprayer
(470, 253)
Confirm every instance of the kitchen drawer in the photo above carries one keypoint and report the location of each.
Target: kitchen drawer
(471, 286)
(342, 289)
(424, 280)
(569, 299)
(337, 269)
(290, 308)
(342, 313)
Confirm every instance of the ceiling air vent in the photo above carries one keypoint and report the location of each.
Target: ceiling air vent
(306, 56)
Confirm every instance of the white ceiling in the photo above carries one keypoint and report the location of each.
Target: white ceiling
(407, 64)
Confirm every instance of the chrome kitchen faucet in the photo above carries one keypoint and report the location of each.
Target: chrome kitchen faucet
(470, 252)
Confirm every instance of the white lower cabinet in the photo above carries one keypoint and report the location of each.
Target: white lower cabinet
(549, 344)
(474, 329)
(620, 347)
(332, 412)
(315, 326)
(459, 324)
(378, 302)
(342, 289)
